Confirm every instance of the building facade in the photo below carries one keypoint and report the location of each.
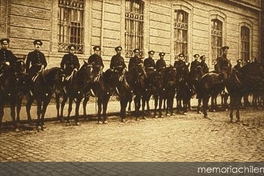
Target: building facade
(171, 26)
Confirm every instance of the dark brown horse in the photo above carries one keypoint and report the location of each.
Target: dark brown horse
(8, 91)
(210, 85)
(46, 83)
(75, 88)
(241, 82)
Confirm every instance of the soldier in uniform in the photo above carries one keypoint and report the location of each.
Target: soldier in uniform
(161, 64)
(117, 61)
(238, 65)
(134, 61)
(195, 63)
(96, 60)
(180, 62)
(203, 64)
(70, 61)
(6, 56)
(36, 60)
(149, 62)
(222, 63)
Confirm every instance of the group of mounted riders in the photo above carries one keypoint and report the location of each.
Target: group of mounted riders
(143, 78)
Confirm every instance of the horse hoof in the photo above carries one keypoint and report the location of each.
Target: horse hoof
(199, 112)
(185, 113)
(105, 122)
(68, 124)
(155, 116)
(161, 116)
(144, 118)
(17, 130)
(77, 123)
(100, 122)
(123, 120)
(168, 114)
(39, 128)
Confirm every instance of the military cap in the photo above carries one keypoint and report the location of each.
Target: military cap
(196, 55)
(118, 48)
(97, 48)
(181, 55)
(202, 57)
(5, 40)
(39, 42)
(71, 46)
(224, 47)
(136, 50)
(162, 54)
(151, 52)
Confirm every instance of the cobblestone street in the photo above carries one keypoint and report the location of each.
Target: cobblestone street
(177, 138)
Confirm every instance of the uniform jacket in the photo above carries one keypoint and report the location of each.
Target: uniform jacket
(160, 64)
(194, 64)
(117, 60)
(133, 62)
(204, 67)
(222, 63)
(96, 60)
(149, 62)
(69, 62)
(35, 60)
(7, 56)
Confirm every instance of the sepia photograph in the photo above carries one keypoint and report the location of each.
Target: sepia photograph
(131, 87)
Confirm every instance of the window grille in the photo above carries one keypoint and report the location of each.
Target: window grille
(134, 20)
(180, 32)
(216, 38)
(70, 25)
(245, 43)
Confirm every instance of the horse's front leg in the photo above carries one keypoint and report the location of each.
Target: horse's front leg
(105, 103)
(64, 99)
(39, 108)
(28, 108)
(69, 110)
(77, 107)
(137, 105)
(18, 104)
(13, 111)
(2, 105)
(85, 101)
(44, 109)
(205, 100)
(155, 106)
(57, 98)
(99, 111)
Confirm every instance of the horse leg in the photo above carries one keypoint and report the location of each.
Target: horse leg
(237, 108)
(18, 104)
(69, 110)
(12, 112)
(155, 106)
(2, 105)
(123, 104)
(64, 99)
(105, 103)
(160, 105)
(85, 101)
(199, 105)
(137, 106)
(99, 111)
(39, 108)
(231, 107)
(57, 98)
(205, 100)
(44, 109)
(28, 107)
(78, 102)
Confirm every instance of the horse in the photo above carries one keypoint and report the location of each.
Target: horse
(194, 77)
(136, 80)
(153, 86)
(46, 83)
(184, 89)
(76, 86)
(248, 78)
(115, 81)
(169, 88)
(8, 91)
(210, 85)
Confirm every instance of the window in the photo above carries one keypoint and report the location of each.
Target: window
(180, 32)
(245, 43)
(134, 19)
(70, 24)
(216, 37)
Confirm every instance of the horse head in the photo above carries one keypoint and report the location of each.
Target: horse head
(53, 78)
(86, 73)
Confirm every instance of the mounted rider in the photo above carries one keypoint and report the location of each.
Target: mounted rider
(117, 62)
(149, 62)
(36, 61)
(7, 58)
(161, 64)
(70, 62)
(135, 60)
(97, 62)
(223, 65)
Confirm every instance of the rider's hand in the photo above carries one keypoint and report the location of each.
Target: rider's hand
(7, 63)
